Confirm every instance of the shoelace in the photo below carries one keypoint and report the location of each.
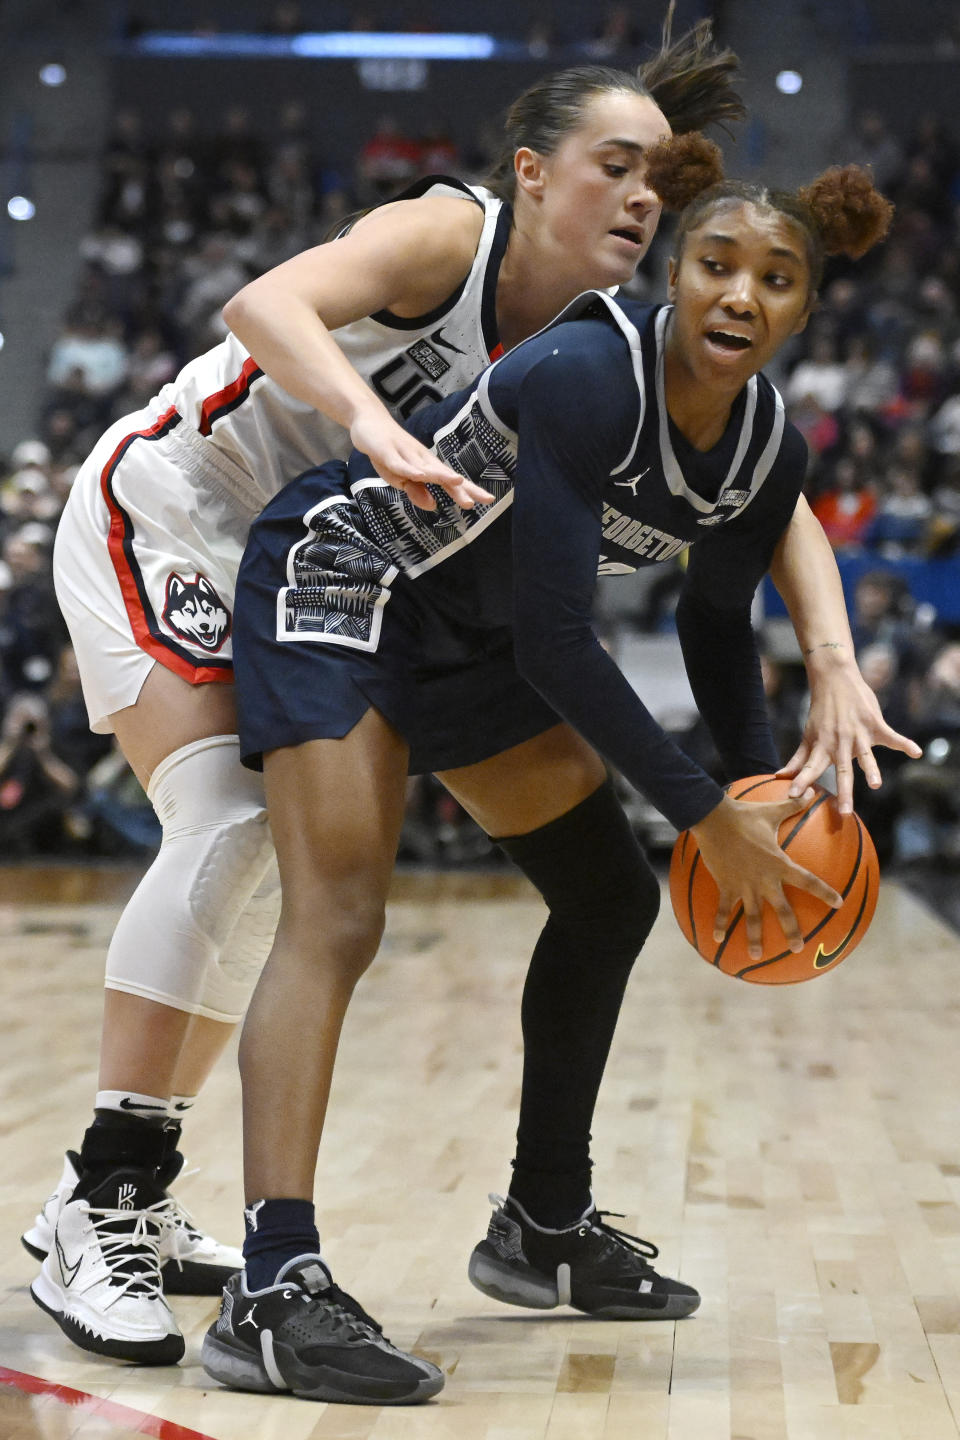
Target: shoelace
(138, 1247)
(177, 1222)
(338, 1307)
(344, 1301)
(644, 1248)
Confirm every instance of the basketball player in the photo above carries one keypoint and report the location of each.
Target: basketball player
(372, 637)
(407, 307)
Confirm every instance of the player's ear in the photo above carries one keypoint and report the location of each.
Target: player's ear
(673, 270)
(529, 170)
(812, 304)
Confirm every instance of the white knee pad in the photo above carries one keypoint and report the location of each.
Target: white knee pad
(231, 978)
(215, 854)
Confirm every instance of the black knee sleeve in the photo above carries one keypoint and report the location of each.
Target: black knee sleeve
(592, 873)
(603, 898)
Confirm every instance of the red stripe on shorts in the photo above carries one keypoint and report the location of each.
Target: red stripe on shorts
(228, 396)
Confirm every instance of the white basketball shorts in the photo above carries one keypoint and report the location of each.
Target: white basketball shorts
(146, 559)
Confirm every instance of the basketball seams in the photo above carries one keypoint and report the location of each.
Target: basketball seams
(692, 917)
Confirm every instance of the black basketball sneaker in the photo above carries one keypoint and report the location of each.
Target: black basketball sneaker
(591, 1266)
(305, 1335)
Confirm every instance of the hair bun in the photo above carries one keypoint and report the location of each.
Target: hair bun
(681, 167)
(850, 214)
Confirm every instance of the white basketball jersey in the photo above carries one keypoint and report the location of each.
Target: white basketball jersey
(272, 436)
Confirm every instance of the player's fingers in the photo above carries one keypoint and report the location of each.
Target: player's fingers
(844, 770)
(867, 761)
(893, 740)
(806, 880)
(723, 916)
(468, 493)
(813, 767)
(793, 804)
(789, 923)
(753, 922)
(423, 466)
(796, 762)
(414, 490)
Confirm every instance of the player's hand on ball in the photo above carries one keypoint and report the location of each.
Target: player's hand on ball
(402, 461)
(739, 845)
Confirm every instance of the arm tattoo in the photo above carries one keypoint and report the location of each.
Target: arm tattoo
(827, 645)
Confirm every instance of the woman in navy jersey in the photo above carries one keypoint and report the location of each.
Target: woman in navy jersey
(373, 637)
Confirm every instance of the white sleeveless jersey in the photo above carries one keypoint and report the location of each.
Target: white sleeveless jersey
(271, 436)
(152, 535)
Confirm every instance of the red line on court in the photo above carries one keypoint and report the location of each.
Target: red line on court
(136, 1420)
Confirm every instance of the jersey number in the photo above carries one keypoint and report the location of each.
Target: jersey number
(400, 386)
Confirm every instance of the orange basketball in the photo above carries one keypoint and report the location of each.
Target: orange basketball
(836, 847)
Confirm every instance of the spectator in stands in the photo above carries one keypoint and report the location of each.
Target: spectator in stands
(924, 380)
(89, 349)
(847, 508)
(930, 788)
(880, 810)
(881, 611)
(152, 364)
(944, 532)
(617, 33)
(871, 144)
(821, 378)
(389, 160)
(125, 170)
(871, 379)
(32, 631)
(35, 787)
(903, 515)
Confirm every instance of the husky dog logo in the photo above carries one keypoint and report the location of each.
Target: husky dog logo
(195, 612)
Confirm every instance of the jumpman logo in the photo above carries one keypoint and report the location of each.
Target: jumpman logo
(632, 484)
(251, 1213)
(248, 1319)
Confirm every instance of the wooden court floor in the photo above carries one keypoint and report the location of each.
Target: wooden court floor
(795, 1153)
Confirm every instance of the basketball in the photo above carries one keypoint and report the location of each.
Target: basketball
(836, 847)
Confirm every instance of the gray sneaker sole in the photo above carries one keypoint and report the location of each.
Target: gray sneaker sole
(241, 1370)
(503, 1281)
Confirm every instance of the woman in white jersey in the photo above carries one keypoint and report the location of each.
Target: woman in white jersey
(348, 338)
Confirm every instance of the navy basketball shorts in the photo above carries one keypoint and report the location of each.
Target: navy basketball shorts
(325, 627)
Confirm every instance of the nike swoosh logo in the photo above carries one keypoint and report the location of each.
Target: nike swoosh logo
(69, 1272)
(127, 1104)
(440, 339)
(823, 958)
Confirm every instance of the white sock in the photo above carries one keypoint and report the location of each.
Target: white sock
(130, 1102)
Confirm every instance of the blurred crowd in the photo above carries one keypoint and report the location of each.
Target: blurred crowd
(873, 383)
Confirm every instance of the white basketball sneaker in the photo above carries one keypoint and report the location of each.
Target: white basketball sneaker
(101, 1278)
(192, 1263)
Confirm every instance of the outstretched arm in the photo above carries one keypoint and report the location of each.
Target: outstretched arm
(845, 721)
(557, 523)
(407, 257)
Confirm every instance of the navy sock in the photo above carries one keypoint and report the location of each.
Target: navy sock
(277, 1231)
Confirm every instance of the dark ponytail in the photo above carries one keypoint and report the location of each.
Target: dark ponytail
(688, 79)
